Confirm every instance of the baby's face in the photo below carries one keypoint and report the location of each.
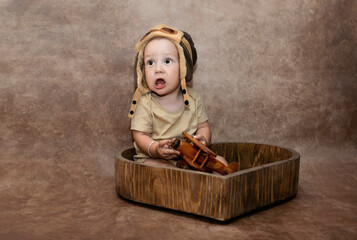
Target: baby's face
(162, 67)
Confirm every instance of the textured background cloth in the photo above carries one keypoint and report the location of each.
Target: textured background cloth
(275, 72)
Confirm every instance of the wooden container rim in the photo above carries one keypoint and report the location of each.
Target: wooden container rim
(295, 156)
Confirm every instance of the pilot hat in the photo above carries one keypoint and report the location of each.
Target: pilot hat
(187, 57)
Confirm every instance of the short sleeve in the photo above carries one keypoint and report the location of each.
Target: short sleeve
(201, 113)
(142, 120)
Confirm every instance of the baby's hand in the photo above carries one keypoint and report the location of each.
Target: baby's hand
(201, 138)
(163, 150)
(222, 160)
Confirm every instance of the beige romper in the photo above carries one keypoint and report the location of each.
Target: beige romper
(151, 118)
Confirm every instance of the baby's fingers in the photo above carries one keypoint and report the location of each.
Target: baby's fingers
(170, 153)
(165, 143)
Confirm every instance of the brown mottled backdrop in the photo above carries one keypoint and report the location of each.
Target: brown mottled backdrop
(276, 72)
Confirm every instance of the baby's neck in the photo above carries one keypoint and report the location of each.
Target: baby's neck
(170, 102)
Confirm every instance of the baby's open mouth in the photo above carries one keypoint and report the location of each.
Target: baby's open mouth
(159, 83)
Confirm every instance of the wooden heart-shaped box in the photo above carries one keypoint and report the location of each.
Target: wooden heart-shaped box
(267, 174)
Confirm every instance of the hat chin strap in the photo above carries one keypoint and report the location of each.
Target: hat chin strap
(184, 92)
(134, 103)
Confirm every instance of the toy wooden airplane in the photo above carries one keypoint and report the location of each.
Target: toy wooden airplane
(200, 157)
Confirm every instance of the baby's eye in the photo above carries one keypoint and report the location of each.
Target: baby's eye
(168, 60)
(150, 62)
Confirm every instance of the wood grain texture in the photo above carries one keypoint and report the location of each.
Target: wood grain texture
(267, 174)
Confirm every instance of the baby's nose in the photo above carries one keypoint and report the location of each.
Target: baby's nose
(158, 68)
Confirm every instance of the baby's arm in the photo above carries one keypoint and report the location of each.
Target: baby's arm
(203, 133)
(161, 149)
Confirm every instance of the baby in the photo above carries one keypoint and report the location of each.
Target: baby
(163, 107)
